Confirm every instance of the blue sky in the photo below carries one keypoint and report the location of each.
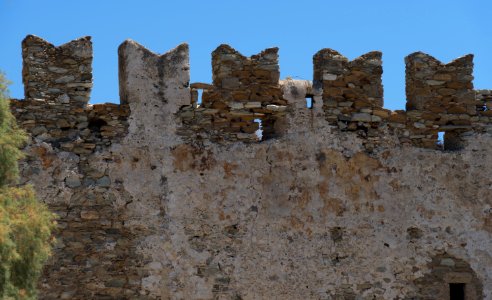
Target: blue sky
(445, 29)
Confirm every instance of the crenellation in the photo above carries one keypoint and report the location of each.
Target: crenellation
(246, 101)
(440, 88)
(351, 89)
(440, 97)
(151, 84)
(231, 70)
(141, 70)
(352, 94)
(60, 75)
(245, 98)
(79, 130)
(168, 196)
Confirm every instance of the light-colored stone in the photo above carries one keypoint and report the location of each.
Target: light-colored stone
(65, 79)
(435, 82)
(309, 212)
(73, 182)
(330, 77)
(278, 108)
(447, 262)
(361, 117)
(63, 99)
(236, 105)
(252, 105)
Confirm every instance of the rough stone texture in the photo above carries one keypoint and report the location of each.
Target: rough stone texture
(59, 75)
(67, 161)
(154, 206)
(440, 88)
(446, 270)
(350, 88)
(245, 97)
(440, 99)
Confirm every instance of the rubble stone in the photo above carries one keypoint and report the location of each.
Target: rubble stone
(162, 197)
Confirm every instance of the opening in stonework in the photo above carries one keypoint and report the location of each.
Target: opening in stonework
(457, 291)
(450, 140)
(309, 101)
(440, 140)
(448, 277)
(481, 105)
(259, 132)
(453, 141)
(96, 124)
(199, 100)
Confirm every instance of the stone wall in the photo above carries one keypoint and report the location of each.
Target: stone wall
(166, 197)
(351, 90)
(245, 97)
(447, 270)
(60, 75)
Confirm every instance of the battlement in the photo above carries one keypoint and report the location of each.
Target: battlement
(60, 75)
(247, 100)
(245, 93)
(349, 86)
(302, 189)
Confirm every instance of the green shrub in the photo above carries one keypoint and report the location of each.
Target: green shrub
(25, 223)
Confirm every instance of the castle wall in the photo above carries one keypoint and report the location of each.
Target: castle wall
(245, 97)
(60, 75)
(350, 89)
(161, 197)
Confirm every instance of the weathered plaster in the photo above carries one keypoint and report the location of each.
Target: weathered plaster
(310, 214)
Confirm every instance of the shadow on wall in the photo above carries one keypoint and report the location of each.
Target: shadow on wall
(449, 278)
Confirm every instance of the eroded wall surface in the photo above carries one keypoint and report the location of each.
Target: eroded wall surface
(162, 197)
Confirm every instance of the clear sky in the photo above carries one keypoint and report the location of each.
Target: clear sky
(445, 29)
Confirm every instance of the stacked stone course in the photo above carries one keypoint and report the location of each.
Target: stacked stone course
(245, 93)
(440, 98)
(165, 197)
(445, 270)
(484, 103)
(59, 75)
(61, 123)
(78, 130)
(352, 90)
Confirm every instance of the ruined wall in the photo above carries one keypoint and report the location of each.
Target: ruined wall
(245, 96)
(349, 87)
(59, 75)
(162, 197)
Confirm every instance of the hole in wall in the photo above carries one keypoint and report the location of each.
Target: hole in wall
(449, 140)
(481, 106)
(199, 100)
(450, 278)
(309, 101)
(259, 132)
(96, 124)
(457, 291)
(440, 140)
(65, 127)
(453, 141)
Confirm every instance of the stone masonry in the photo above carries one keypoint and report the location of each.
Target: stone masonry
(245, 93)
(350, 89)
(68, 77)
(249, 193)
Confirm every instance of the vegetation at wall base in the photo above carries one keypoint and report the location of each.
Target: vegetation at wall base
(25, 223)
